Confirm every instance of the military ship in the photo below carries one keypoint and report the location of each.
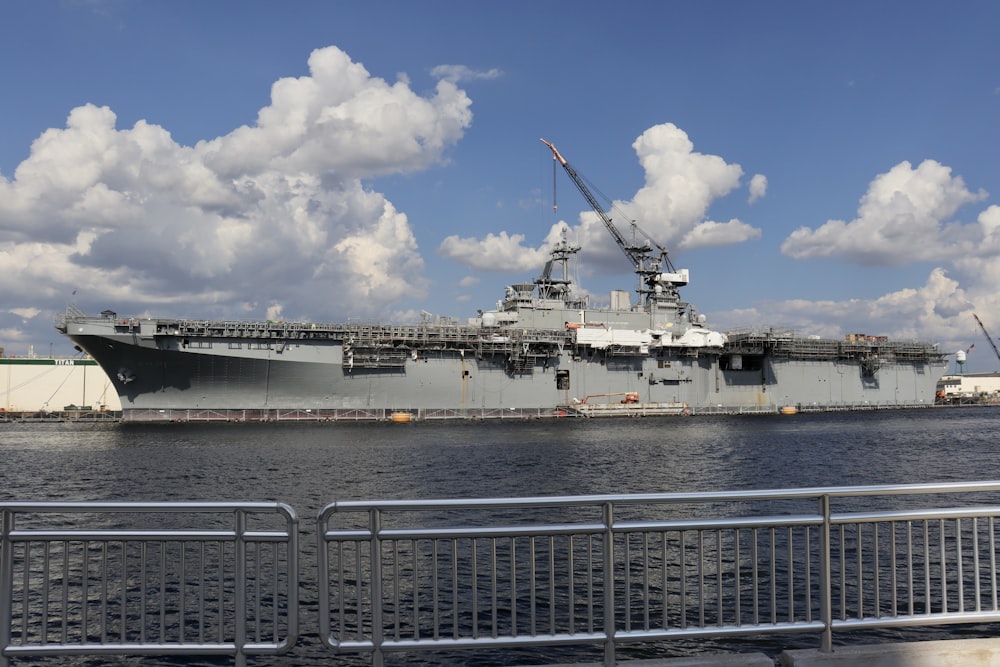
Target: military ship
(543, 351)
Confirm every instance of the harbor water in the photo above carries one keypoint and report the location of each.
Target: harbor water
(311, 464)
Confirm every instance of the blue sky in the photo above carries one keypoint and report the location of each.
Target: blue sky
(829, 167)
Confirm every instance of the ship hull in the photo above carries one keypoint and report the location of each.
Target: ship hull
(166, 374)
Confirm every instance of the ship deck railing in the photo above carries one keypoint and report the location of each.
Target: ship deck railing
(785, 343)
(374, 335)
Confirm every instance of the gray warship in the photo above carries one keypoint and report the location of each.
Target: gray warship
(543, 351)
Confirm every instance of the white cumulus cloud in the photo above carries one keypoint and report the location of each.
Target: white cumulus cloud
(460, 73)
(496, 252)
(670, 210)
(929, 312)
(681, 185)
(758, 187)
(270, 213)
(904, 217)
(907, 215)
(710, 233)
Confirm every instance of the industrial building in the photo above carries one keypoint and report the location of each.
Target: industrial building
(39, 385)
(969, 385)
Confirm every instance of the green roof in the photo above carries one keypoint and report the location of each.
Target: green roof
(18, 361)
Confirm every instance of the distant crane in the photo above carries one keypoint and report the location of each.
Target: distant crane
(987, 334)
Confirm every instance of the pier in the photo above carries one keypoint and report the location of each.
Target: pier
(81, 415)
(578, 410)
(570, 410)
(442, 579)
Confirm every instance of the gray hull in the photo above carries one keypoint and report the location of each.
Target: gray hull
(160, 365)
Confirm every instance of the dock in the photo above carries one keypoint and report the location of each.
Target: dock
(56, 416)
(593, 410)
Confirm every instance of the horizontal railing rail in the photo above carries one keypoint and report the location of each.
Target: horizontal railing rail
(613, 570)
(147, 578)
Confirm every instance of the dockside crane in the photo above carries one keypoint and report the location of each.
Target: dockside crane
(655, 286)
(987, 334)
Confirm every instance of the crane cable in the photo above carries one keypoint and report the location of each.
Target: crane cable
(555, 206)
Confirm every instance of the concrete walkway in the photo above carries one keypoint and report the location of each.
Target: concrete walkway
(713, 660)
(942, 653)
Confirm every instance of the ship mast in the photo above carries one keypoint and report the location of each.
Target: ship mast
(557, 288)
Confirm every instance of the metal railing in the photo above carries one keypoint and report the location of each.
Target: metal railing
(614, 570)
(449, 575)
(147, 579)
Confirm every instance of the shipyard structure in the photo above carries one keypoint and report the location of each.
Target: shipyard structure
(543, 350)
(31, 385)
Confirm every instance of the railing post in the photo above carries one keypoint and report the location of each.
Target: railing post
(825, 594)
(609, 585)
(375, 526)
(6, 581)
(240, 589)
(323, 577)
(292, 525)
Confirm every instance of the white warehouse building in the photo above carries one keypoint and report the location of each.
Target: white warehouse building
(969, 385)
(30, 384)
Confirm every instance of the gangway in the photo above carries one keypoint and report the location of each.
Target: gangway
(630, 397)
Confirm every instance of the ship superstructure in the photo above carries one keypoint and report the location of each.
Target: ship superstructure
(543, 350)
